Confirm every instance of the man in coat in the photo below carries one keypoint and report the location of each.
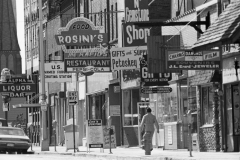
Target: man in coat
(147, 124)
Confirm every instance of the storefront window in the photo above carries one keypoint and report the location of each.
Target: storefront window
(130, 99)
(207, 105)
(167, 105)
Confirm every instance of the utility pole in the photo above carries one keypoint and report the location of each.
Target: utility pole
(44, 141)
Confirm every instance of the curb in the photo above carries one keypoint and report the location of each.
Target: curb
(113, 157)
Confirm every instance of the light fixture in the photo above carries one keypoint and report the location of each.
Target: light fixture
(236, 65)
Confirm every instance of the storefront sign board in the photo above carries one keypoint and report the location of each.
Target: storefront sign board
(152, 79)
(114, 110)
(156, 90)
(81, 32)
(54, 72)
(126, 57)
(106, 138)
(72, 97)
(94, 133)
(134, 35)
(189, 60)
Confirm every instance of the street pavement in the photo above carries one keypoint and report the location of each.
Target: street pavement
(136, 153)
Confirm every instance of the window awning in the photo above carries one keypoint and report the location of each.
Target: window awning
(205, 76)
(26, 105)
(225, 30)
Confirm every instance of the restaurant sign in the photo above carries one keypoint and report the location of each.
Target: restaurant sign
(189, 60)
(81, 32)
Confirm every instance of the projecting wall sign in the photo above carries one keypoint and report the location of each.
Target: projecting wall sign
(189, 60)
(80, 31)
(54, 72)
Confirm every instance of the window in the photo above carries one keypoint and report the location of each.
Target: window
(207, 105)
(105, 20)
(167, 106)
(116, 19)
(130, 97)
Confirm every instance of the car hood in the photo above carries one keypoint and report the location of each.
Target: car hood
(14, 137)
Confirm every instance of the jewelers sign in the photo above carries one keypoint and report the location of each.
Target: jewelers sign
(126, 58)
(54, 72)
(189, 60)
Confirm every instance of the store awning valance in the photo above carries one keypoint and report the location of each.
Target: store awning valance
(205, 76)
(26, 105)
(225, 30)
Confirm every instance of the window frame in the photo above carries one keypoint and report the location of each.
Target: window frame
(203, 121)
(131, 111)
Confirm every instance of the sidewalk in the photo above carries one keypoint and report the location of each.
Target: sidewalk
(136, 153)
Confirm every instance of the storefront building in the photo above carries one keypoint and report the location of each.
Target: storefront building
(218, 101)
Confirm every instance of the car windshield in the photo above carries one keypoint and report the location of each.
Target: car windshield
(11, 131)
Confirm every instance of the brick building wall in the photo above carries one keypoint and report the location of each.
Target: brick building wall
(99, 15)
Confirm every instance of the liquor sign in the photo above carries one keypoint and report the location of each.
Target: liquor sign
(189, 60)
(156, 90)
(16, 94)
(94, 133)
(17, 87)
(135, 11)
(54, 72)
(80, 31)
(126, 58)
(152, 79)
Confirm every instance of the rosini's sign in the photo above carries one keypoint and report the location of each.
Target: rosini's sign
(80, 31)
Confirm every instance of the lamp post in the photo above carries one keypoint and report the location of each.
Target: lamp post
(44, 141)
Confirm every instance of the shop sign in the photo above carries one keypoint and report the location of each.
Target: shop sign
(126, 58)
(72, 97)
(87, 64)
(54, 72)
(16, 94)
(189, 60)
(135, 11)
(152, 79)
(94, 134)
(156, 90)
(81, 32)
(129, 75)
(22, 87)
(114, 110)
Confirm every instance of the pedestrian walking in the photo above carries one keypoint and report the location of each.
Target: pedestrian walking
(147, 125)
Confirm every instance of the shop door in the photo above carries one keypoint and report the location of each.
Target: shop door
(142, 110)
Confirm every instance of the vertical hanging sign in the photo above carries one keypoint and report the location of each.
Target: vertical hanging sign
(135, 11)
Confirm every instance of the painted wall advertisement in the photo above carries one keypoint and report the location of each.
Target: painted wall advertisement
(94, 133)
(126, 58)
(135, 11)
(54, 72)
(189, 60)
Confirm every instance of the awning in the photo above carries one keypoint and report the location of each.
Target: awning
(205, 76)
(26, 105)
(225, 30)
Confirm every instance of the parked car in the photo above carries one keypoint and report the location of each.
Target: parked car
(13, 140)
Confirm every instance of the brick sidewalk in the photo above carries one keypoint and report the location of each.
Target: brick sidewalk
(136, 153)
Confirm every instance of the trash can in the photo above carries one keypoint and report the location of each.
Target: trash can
(68, 134)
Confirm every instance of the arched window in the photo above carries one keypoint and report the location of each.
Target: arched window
(10, 62)
(3, 62)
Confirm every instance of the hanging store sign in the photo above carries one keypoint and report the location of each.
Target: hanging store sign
(189, 60)
(81, 32)
(156, 90)
(152, 79)
(135, 11)
(54, 72)
(87, 64)
(126, 58)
